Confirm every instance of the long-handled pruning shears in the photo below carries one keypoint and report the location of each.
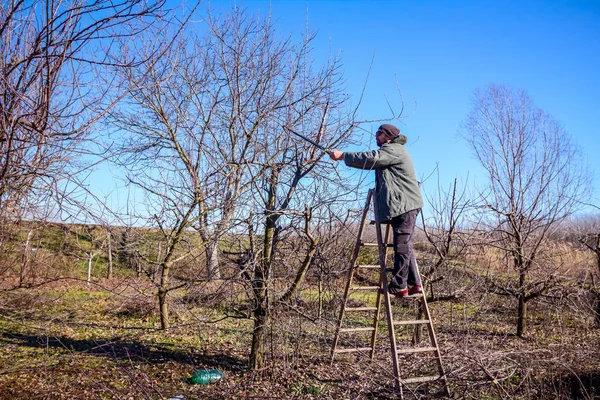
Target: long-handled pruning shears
(325, 149)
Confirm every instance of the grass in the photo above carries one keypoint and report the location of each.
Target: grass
(70, 340)
(86, 348)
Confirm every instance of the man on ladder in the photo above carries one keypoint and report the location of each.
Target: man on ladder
(398, 201)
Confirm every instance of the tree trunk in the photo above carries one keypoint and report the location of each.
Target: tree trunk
(522, 306)
(259, 337)
(260, 313)
(125, 255)
(162, 297)
(320, 310)
(312, 249)
(261, 280)
(598, 309)
(522, 316)
(212, 260)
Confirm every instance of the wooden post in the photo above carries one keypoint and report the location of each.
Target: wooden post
(25, 260)
(89, 276)
(109, 269)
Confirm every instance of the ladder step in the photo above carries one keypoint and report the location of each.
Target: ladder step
(416, 350)
(370, 244)
(352, 350)
(368, 329)
(420, 379)
(412, 322)
(368, 266)
(364, 288)
(361, 308)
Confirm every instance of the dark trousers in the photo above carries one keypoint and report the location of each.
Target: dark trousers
(405, 271)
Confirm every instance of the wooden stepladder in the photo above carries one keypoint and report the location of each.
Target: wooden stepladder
(354, 284)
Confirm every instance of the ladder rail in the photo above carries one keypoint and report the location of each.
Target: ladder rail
(382, 279)
(433, 338)
(434, 342)
(388, 301)
(351, 270)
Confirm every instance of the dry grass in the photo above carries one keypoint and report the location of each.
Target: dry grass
(66, 339)
(71, 341)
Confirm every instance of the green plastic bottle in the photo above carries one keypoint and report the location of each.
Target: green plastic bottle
(206, 376)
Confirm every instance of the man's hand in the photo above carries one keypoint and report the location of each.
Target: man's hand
(336, 155)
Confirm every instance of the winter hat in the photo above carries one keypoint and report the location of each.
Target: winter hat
(390, 130)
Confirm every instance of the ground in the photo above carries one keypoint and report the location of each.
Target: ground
(69, 340)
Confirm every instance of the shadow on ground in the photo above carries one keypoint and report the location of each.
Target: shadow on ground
(122, 349)
(584, 386)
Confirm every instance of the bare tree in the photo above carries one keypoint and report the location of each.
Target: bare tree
(192, 116)
(48, 50)
(208, 145)
(49, 101)
(536, 178)
(293, 183)
(450, 235)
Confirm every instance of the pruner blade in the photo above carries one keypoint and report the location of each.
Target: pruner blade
(325, 149)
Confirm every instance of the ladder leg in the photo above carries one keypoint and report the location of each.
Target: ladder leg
(351, 274)
(376, 321)
(342, 310)
(434, 343)
(424, 309)
(382, 277)
(388, 303)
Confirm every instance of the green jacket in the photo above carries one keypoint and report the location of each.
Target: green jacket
(396, 187)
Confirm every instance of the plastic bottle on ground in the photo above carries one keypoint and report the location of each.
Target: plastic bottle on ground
(206, 376)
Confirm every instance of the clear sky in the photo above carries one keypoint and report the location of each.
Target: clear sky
(439, 52)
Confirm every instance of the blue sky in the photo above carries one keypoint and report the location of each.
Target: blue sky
(439, 52)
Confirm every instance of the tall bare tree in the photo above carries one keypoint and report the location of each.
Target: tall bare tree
(207, 141)
(48, 102)
(450, 235)
(536, 178)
